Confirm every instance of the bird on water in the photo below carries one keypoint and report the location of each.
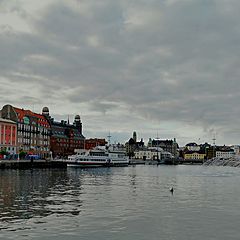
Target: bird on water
(171, 189)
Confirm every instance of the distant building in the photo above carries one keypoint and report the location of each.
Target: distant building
(147, 154)
(65, 137)
(132, 145)
(236, 149)
(33, 130)
(224, 152)
(94, 142)
(192, 147)
(167, 145)
(194, 155)
(8, 136)
(211, 152)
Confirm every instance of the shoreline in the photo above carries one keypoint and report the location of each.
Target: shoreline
(28, 164)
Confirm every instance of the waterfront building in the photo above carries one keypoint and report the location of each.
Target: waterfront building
(117, 147)
(236, 149)
(167, 145)
(65, 137)
(8, 136)
(192, 146)
(194, 155)
(211, 152)
(33, 131)
(148, 153)
(224, 152)
(94, 142)
(132, 145)
(152, 153)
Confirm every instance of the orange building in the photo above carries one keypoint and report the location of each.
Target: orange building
(8, 136)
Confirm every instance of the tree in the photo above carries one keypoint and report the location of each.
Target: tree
(4, 152)
(22, 154)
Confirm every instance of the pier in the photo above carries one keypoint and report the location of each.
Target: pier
(28, 164)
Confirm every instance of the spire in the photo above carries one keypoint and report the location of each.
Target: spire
(135, 136)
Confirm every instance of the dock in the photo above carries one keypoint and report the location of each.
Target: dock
(29, 164)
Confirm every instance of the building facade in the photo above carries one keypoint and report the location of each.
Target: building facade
(167, 145)
(8, 136)
(65, 137)
(192, 147)
(194, 155)
(94, 142)
(224, 153)
(33, 131)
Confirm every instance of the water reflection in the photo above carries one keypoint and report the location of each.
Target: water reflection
(37, 193)
(120, 203)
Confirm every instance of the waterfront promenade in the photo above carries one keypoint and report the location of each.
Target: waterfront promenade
(26, 164)
(61, 163)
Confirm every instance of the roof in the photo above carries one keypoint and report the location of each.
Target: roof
(192, 144)
(7, 120)
(23, 113)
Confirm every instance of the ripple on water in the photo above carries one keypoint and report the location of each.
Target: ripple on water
(121, 203)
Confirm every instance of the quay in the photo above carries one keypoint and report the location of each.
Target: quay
(173, 161)
(29, 164)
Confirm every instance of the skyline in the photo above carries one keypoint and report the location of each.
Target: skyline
(166, 67)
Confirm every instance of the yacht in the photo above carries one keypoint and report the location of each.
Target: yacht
(98, 157)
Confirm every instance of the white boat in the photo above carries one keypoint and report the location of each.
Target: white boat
(98, 157)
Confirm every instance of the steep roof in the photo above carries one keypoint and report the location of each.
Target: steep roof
(21, 113)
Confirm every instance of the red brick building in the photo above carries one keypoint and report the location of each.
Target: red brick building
(65, 137)
(93, 142)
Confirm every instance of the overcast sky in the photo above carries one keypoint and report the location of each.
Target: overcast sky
(166, 68)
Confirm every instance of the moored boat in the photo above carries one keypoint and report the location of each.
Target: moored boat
(98, 157)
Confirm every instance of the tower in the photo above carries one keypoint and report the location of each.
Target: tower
(78, 123)
(45, 112)
(135, 136)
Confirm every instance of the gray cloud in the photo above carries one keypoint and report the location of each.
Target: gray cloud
(152, 62)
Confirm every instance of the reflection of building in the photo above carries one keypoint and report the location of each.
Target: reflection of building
(94, 142)
(8, 136)
(32, 130)
(65, 137)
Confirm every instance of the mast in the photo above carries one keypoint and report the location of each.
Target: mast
(109, 138)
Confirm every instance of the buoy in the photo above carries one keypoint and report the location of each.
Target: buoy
(171, 189)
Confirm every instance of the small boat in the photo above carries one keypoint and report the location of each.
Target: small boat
(98, 157)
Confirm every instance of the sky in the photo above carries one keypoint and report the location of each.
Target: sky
(162, 68)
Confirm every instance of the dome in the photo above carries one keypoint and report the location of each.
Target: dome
(77, 118)
(45, 111)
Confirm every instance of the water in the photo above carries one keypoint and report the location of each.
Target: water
(121, 203)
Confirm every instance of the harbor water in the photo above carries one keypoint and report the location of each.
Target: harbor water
(121, 203)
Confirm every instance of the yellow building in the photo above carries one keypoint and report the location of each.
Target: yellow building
(194, 156)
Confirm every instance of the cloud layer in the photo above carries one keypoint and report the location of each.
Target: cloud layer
(168, 67)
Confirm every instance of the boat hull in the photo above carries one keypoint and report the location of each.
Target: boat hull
(94, 165)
